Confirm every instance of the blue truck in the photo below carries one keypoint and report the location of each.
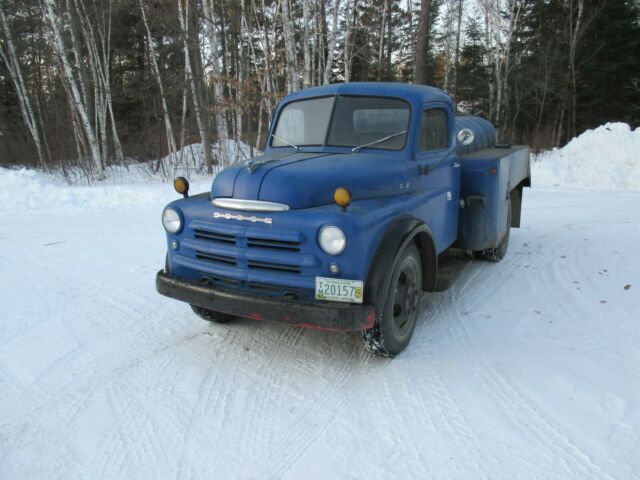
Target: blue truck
(339, 225)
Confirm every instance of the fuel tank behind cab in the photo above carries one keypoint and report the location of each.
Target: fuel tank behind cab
(484, 133)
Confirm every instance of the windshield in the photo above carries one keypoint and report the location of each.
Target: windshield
(356, 122)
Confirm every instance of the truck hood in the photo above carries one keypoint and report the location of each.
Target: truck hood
(304, 179)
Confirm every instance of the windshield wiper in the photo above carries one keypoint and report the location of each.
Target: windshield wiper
(284, 141)
(380, 140)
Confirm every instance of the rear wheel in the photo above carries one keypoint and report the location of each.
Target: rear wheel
(498, 253)
(396, 320)
(212, 316)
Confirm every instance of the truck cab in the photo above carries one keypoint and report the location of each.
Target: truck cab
(339, 224)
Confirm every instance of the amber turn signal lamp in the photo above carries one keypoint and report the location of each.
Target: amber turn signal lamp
(342, 197)
(181, 185)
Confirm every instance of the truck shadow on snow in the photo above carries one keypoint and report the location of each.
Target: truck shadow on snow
(450, 267)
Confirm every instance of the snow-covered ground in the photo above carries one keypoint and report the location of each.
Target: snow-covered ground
(529, 368)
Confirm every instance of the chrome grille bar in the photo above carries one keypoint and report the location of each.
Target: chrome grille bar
(249, 205)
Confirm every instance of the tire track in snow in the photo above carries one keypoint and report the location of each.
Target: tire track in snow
(548, 436)
(273, 352)
(448, 409)
(323, 413)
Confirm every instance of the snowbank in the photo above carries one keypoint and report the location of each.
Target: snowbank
(194, 154)
(25, 189)
(606, 158)
(30, 190)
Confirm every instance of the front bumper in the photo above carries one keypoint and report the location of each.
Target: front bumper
(333, 316)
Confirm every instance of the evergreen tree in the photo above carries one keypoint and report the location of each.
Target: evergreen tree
(610, 66)
(473, 75)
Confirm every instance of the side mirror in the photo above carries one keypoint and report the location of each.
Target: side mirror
(466, 136)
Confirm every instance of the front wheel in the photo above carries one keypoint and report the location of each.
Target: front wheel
(396, 321)
(212, 316)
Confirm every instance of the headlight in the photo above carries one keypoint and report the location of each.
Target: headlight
(171, 220)
(332, 240)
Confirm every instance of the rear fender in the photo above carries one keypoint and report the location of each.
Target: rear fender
(515, 197)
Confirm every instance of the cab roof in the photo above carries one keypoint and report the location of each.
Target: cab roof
(415, 94)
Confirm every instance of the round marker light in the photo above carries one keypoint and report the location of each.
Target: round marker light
(181, 185)
(171, 220)
(342, 197)
(332, 240)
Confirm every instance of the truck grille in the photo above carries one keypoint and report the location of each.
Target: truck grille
(215, 258)
(274, 244)
(214, 236)
(274, 266)
(252, 258)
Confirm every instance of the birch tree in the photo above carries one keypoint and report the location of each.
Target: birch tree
(332, 43)
(183, 15)
(293, 80)
(78, 103)
(306, 40)
(171, 141)
(218, 93)
(422, 42)
(12, 62)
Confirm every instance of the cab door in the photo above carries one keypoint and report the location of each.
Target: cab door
(439, 169)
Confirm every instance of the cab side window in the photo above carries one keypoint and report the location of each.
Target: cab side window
(434, 130)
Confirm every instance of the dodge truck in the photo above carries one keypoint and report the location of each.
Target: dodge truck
(340, 223)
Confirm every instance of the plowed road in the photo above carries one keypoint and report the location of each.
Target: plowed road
(527, 368)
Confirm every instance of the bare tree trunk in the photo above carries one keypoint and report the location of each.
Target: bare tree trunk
(457, 53)
(264, 85)
(10, 59)
(306, 79)
(195, 92)
(422, 43)
(448, 34)
(105, 71)
(171, 141)
(486, 6)
(79, 105)
(381, 40)
(351, 13)
(99, 60)
(218, 93)
(390, 37)
(183, 117)
(332, 43)
(514, 18)
(574, 35)
(293, 83)
(78, 56)
(267, 51)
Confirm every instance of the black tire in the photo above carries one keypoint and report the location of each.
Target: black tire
(396, 320)
(471, 254)
(498, 253)
(212, 316)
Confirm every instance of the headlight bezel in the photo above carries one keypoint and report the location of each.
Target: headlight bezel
(326, 243)
(169, 224)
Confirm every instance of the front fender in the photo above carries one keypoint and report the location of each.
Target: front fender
(398, 234)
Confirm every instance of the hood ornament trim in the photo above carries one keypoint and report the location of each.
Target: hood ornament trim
(249, 205)
(254, 164)
(252, 218)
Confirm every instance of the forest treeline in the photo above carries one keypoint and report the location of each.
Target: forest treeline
(92, 83)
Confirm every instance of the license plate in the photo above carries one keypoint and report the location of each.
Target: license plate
(339, 290)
